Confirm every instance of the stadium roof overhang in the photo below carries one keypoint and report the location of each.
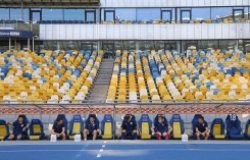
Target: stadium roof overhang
(50, 3)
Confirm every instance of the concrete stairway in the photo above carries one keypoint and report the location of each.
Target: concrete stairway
(101, 84)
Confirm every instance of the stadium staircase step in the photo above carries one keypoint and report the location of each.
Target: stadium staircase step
(101, 84)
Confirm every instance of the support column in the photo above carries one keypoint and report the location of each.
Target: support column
(99, 45)
(236, 47)
(178, 46)
(33, 44)
(9, 43)
(137, 46)
(28, 43)
(58, 45)
(16, 45)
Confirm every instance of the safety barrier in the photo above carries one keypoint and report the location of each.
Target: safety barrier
(101, 107)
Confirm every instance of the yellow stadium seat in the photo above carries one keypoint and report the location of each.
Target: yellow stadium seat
(217, 129)
(36, 130)
(107, 131)
(76, 130)
(3, 130)
(145, 131)
(176, 130)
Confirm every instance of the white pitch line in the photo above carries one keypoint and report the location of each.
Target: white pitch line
(13, 151)
(128, 150)
(98, 156)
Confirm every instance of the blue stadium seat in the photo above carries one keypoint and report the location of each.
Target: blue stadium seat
(194, 122)
(247, 130)
(75, 126)
(4, 130)
(145, 125)
(177, 125)
(234, 130)
(218, 129)
(107, 126)
(36, 130)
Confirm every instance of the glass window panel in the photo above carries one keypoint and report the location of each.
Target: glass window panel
(109, 15)
(4, 14)
(129, 45)
(227, 44)
(125, 14)
(148, 14)
(207, 44)
(146, 45)
(238, 15)
(15, 14)
(26, 15)
(73, 14)
(247, 47)
(201, 13)
(186, 15)
(248, 13)
(19, 14)
(36, 16)
(221, 13)
(245, 11)
(166, 15)
(90, 16)
(52, 14)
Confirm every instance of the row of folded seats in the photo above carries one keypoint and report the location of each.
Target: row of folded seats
(47, 77)
(147, 129)
(150, 76)
(198, 20)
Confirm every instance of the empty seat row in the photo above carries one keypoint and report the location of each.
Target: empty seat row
(162, 76)
(47, 77)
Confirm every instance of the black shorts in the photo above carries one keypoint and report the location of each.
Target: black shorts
(23, 136)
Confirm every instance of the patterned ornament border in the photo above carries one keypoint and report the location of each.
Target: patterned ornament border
(122, 109)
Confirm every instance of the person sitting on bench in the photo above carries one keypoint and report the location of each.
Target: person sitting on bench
(20, 129)
(91, 128)
(129, 128)
(59, 129)
(202, 129)
(161, 128)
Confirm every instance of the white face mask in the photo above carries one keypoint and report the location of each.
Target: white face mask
(233, 117)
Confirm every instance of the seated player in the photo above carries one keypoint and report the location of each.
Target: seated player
(161, 128)
(201, 129)
(59, 129)
(20, 129)
(91, 128)
(129, 128)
